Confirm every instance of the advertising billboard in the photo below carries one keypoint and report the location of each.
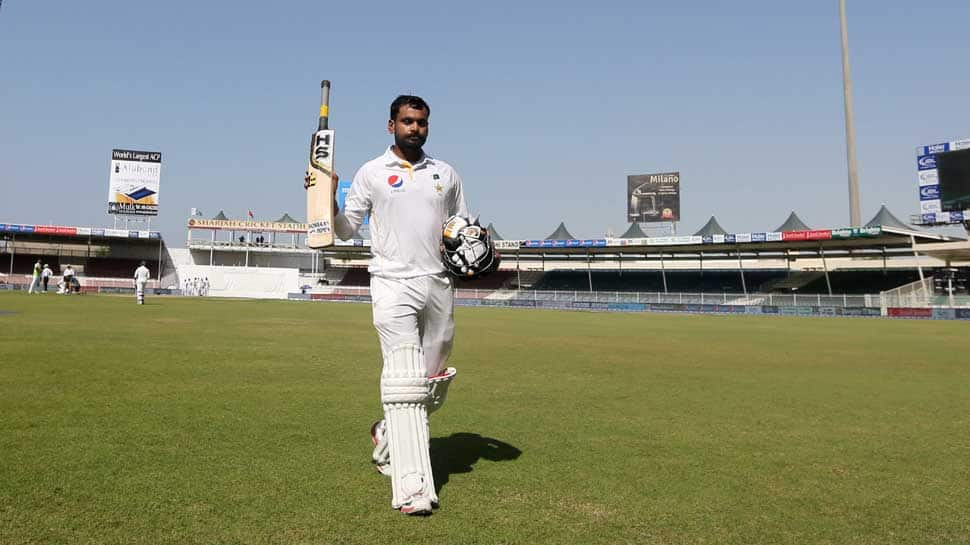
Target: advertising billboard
(133, 182)
(653, 197)
(943, 181)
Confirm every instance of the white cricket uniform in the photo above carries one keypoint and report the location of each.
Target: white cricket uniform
(142, 274)
(413, 300)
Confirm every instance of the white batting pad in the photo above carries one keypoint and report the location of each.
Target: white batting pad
(404, 393)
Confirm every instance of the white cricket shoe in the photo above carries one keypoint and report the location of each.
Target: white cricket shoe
(417, 506)
(381, 456)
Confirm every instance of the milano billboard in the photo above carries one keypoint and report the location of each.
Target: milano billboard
(653, 197)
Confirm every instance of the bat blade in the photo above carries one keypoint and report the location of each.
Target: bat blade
(319, 184)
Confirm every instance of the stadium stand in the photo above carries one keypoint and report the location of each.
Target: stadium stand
(357, 276)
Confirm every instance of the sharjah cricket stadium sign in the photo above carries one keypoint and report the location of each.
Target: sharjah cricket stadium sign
(133, 182)
(240, 225)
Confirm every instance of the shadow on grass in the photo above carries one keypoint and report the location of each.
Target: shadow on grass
(458, 452)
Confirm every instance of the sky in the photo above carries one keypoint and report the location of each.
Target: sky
(544, 109)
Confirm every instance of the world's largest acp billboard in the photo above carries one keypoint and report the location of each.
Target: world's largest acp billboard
(653, 197)
(133, 182)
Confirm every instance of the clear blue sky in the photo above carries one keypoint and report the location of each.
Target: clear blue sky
(543, 110)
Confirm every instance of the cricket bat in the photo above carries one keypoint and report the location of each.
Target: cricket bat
(319, 184)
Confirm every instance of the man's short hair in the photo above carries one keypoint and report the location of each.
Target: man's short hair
(415, 102)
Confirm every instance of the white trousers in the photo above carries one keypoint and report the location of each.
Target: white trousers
(417, 311)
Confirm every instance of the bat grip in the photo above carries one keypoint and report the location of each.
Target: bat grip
(324, 104)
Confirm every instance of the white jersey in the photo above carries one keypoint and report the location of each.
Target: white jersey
(407, 205)
(142, 274)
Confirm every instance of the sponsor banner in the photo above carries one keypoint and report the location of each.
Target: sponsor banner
(132, 234)
(933, 149)
(896, 312)
(861, 311)
(759, 237)
(507, 244)
(666, 307)
(814, 234)
(97, 232)
(298, 296)
(944, 314)
(45, 229)
(707, 239)
(753, 309)
(83, 231)
(116, 233)
(521, 303)
(154, 235)
(855, 232)
(926, 162)
(674, 241)
(962, 313)
(742, 237)
(718, 239)
(493, 303)
(929, 192)
(27, 229)
(730, 239)
(653, 197)
(242, 225)
(960, 144)
(774, 237)
(769, 309)
(925, 207)
(957, 217)
(828, 311)
(928, 218)
(595, 243)
(626, 307)
(133, 182)
(469, 302)
(929, 177)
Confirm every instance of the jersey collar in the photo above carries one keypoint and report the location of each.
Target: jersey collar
(390, 159)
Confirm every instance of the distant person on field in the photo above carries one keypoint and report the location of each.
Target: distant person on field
(142, 274)
(35, 279)
(69, 281)
(45, 275)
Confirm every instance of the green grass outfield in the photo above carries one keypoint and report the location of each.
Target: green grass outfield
(201, 421)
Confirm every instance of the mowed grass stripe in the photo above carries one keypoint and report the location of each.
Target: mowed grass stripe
(217, 421)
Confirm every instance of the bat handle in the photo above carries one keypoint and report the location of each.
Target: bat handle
(324, 104)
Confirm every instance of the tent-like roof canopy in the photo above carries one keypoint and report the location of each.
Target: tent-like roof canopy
(712, 227)
(220, 216)
(634, 232)
(493, 232)
(286, 219)
(561, 233)
(885, 218)
(793, 223)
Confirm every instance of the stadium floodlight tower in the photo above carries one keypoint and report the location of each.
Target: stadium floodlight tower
(855, 215)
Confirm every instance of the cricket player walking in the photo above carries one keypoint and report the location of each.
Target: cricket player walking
(409, 196)
(142, 274)
(35, 279)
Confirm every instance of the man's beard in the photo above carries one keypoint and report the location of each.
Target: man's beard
(414, 143)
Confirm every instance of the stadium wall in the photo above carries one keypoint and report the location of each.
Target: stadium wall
(245, 282)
